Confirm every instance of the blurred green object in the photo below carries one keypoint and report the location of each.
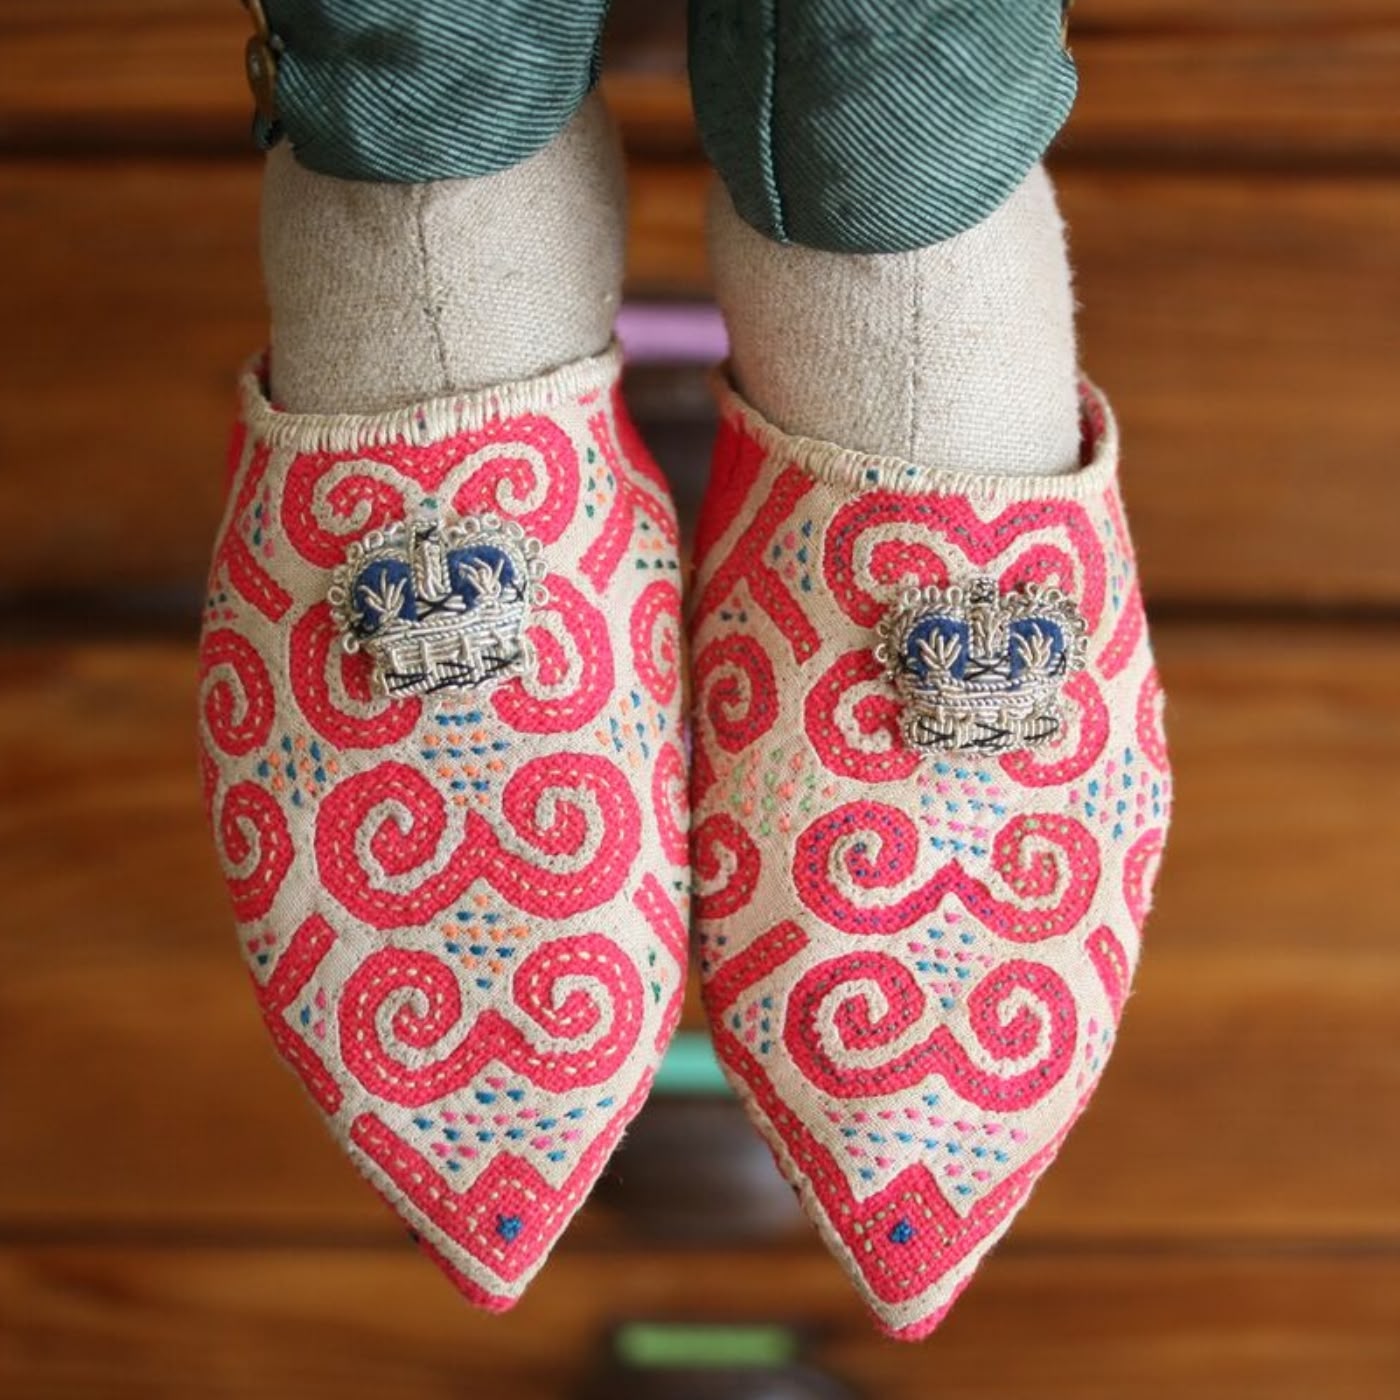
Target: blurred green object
(690, 1067)
(646, 1346)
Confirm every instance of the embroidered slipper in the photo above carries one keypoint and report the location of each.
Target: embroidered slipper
(440, 714)
(930, 792)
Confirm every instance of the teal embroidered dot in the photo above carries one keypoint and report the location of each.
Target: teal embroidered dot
(902, 1232)
(509, 1226)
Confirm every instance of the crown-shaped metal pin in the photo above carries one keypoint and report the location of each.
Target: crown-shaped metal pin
(439, 604)
(980, 670)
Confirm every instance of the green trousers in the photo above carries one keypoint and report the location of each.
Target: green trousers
(850, 125)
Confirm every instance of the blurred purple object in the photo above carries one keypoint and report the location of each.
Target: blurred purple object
(674, 333)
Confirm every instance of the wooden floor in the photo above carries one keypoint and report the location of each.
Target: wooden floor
(1226, 1220)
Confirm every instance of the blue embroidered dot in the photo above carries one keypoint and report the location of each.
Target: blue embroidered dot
(902, 1232)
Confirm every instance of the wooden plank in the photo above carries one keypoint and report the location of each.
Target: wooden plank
(1274, 96)
(233, 1324)
(1302, 78)
(1249, 330)
(1245, 1098)
(1211, 17)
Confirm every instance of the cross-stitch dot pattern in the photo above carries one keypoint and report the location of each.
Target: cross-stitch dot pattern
(464, 913)
(914, 963)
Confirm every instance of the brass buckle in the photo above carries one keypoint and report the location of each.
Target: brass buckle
(260, 62)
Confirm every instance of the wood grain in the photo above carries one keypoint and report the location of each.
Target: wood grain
(1248, 329)
(128, 1323)
(1239, 81)
(1247, 1099)
(1225, 1222)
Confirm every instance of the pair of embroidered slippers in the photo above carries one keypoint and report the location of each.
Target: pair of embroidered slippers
(449, 774)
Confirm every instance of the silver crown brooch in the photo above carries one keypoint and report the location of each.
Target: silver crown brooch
(978, 670)
(440, 605)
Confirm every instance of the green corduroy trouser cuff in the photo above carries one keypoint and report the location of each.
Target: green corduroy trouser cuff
(861, 126)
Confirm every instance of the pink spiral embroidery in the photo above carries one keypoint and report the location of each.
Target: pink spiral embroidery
(1151, 736)
(1090, 733)
(670, 802)
(576, 812)
(208, 782)
(862, 848)
(1139, 873)
(601, 559)
(860, 737)
(656, 639)
(746, 563)
(252, 829)
(1111, 963)
(319, 668)
(1020, 1009)
(894, 562)
(565, 693)
(524, 468)
(295, 968)
(727, 982)
(1041, 564)
(726, 866)
(239, 705)
(736, 694)
(507, 1186)
(946, 1236)
(424, 1002)
(633, 448)
(233, 556)
(667, 923)
(738, 458)
(1127, 634)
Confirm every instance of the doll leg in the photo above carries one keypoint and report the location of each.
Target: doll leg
(884, 208)
(440, 689)
(444, 201)
(930, 785)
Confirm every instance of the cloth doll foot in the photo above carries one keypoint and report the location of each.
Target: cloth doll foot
(930, 792)
(440, 713)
